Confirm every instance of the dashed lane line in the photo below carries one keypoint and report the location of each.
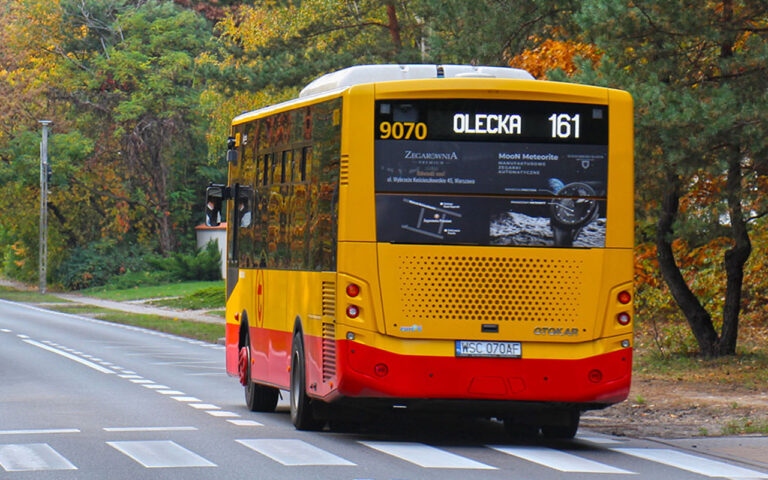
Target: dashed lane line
(74, 358)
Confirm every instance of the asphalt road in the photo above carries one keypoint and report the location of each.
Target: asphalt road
(85, 399)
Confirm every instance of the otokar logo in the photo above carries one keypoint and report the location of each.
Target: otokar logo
(412, 328)
(556, 332)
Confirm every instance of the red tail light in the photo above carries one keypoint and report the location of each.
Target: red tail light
(624, 297)
(353, 290)
(353, 311)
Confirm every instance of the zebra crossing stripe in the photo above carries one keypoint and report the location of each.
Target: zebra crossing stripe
(559, 460)
(160, 454)
(425, 455)
(291, 452)
(691, 463)
(32, 457)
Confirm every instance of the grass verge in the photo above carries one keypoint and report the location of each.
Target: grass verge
(7, 293)
(206, 332)
(204, 299)
(746, 425)
(155, 291)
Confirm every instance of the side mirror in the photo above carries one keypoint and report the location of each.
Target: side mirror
(232, 156)
(231, 150)
(214, 196)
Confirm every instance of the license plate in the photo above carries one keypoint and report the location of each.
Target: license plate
(472, 348)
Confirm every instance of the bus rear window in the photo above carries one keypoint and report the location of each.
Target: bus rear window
(491, 172)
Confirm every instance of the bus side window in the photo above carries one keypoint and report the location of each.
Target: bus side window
(296, 166)
(265, 170)
(272, 168)
(283, 164)
(306, 160)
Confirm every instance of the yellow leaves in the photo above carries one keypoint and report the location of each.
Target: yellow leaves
(552, 54)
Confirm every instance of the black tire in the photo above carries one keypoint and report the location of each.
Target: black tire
(520, 431)
(563, 431)
(302, 416)
(258, 398)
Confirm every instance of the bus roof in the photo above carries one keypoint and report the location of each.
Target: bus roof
(387, 73)
(336, 82)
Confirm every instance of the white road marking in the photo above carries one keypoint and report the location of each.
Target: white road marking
(64, 354)
(246, 423)
(141, 381)
(39, 431)
(32, 457)
(150, 429)
(291, 452)
(426, 456)
(204, 406)
(599, 440)
(5, 330)
(562, 461)
(160, 454)
(221, 413)
(691, 463)
(168, 392)
(130, 376)
(156, 386)
(186, 399)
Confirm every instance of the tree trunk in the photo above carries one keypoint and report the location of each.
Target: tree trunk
(698, 318)
(735, 258)
(737, 255)
(394, 26)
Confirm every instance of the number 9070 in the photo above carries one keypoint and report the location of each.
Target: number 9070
(402, 130)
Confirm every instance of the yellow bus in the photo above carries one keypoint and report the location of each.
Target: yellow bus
(424, 237)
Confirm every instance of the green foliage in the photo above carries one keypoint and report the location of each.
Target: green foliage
(454, 33)
(96, 263)
(129, 265)
(202, 264)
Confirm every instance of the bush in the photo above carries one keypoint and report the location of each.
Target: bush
(122, 266)
(202, 264)
(96, 263)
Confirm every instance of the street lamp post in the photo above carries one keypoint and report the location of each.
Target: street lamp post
(44, 205)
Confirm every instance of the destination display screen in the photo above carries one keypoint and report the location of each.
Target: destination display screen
(491, 172)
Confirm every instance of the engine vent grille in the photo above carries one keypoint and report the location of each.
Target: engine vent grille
(329, 351)
(490, 289)
(329, 299)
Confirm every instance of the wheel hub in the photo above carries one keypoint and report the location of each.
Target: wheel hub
(243, 366)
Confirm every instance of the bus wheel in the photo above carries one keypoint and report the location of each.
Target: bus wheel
(563, 431)
(301, 405)
(518, 430)
(258, 398)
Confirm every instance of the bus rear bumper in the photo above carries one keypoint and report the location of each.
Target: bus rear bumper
(594, 382)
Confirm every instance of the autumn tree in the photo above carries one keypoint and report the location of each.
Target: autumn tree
(131, 79)
(486, 32)
(697, 72)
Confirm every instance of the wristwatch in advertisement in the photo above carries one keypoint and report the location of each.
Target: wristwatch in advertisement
(573, 208)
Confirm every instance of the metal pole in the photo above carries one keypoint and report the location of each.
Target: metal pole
(44, 205)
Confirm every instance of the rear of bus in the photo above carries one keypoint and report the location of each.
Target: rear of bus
(485, 248)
